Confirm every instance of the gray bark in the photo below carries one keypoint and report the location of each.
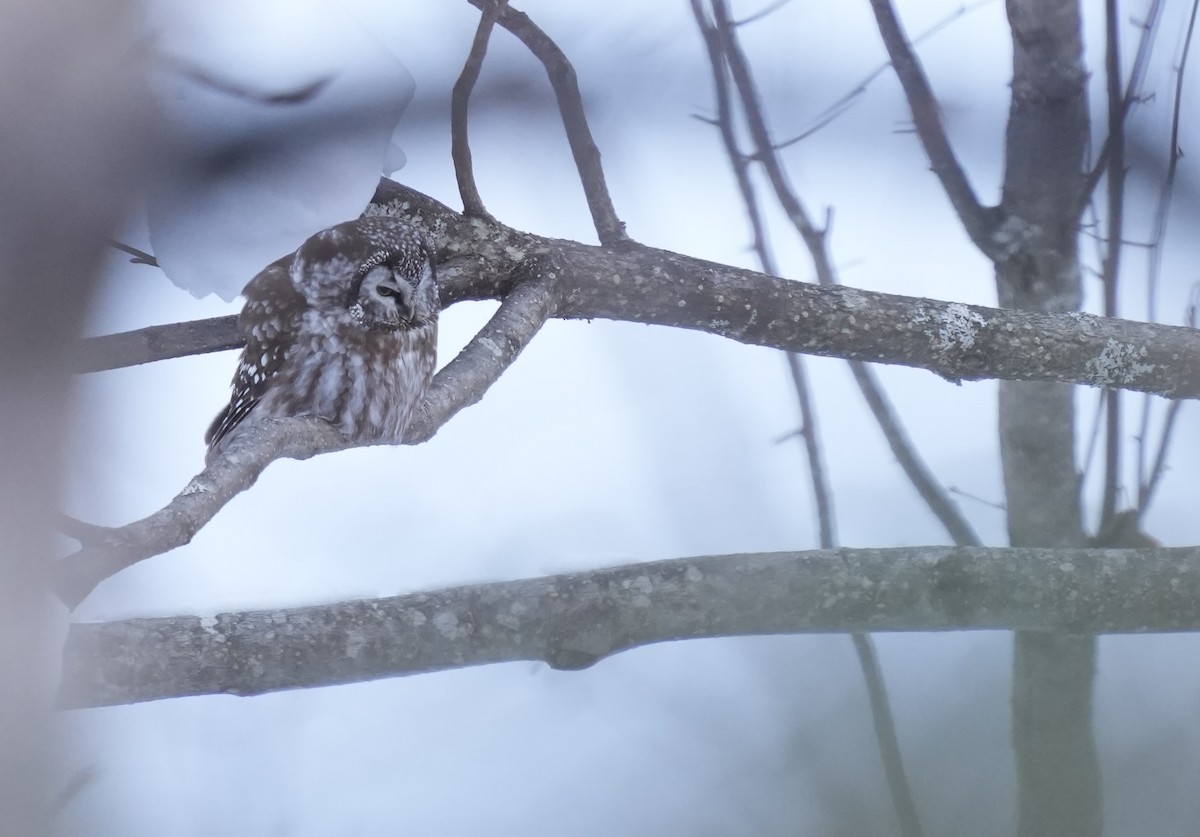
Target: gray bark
(572, 621)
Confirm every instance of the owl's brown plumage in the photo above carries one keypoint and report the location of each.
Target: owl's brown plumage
(345, 329)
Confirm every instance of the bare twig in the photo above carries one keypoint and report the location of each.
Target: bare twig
(1162, 213)
(139, 256)
(822, 497)
(1110, 268)
(909, 459)
(721, 47)
(885, 730)
(571, 621)
(1148, 485)
(460, 96)
(1159, 468)
(1132, 91)
(842, 104)
(979, 222)
(771, 8)
(609, 228)
(461, 383)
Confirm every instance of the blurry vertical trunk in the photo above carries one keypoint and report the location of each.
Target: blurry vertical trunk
(1057, 773)
(72, 133)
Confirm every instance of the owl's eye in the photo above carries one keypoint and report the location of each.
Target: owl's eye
(387, 290)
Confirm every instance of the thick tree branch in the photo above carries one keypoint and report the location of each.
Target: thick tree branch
(959, 342)
(571, 621)
(461, 383)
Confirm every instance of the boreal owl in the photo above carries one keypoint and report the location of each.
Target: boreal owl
(345, 329)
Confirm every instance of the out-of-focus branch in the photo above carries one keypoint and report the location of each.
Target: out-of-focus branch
(979, 222)
(1115, 229)
(1132, 92)
(843, 102)
(935, 497)
(609, 228)
(1149, 484)
(139, 256)
(460, 96)
(1162, 213)
(461, 383)
(572, 621)
(722, 50)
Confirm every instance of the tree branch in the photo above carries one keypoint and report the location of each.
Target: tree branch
(609, 228)
(816, 241)
(146, 345)
(460, 96)
(571, 621)
(979, 222)
(461, 383)
(959, 342)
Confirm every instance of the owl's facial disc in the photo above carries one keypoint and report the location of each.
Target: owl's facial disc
(385, 300)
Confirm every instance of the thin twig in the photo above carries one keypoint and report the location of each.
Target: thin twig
(822, 494)
(1132, 91)
(460, 96)
(1147, 488)
(1162, 213)
(935, 497)
(721, 46)
(609, 228)
(139, 256)
(885, 730)
(979, 222)
(1111, 266)
(759, 15)
(1159, 468)
(842, 104)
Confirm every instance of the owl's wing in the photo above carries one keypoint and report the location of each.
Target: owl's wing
(267, 322)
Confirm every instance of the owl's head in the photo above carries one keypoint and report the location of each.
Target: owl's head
(378, 270)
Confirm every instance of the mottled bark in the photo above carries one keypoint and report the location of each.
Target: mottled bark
(574, 620)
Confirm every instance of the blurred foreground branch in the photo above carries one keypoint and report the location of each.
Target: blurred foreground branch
(572, 621)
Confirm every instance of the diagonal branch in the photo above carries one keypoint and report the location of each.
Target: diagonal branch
(609, 228)
(914, 467)
(979, 221)
(572, 621)
(460, 96)
(461, 383)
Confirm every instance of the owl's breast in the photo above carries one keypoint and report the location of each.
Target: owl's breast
(366, 383)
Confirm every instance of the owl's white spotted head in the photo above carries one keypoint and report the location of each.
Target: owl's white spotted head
(378, 270)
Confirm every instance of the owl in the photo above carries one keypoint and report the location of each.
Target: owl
(345, 329)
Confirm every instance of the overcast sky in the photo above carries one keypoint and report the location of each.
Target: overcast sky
(605, 443)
